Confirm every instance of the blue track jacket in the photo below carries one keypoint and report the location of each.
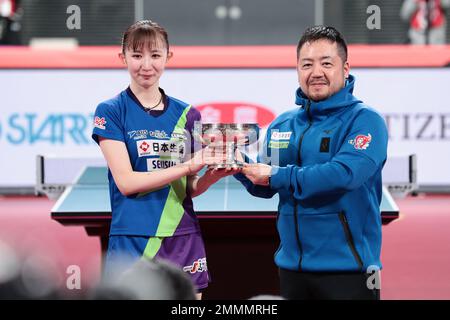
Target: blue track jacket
(326, 162)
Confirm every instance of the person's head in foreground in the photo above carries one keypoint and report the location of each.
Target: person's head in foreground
(148, 280)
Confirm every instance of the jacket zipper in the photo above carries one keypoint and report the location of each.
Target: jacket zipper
(349, 237)
(297, 227)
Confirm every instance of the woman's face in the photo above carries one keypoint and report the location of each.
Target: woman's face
(146, 65)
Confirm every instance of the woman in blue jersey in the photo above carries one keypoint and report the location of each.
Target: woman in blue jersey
(144, 136)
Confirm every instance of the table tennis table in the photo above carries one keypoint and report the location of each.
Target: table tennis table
(238, 229)
(87, 201)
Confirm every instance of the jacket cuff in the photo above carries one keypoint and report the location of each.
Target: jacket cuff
(240, 177)
(280, 177)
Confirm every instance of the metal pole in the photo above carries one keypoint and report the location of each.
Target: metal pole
(318, 12)
(138, 10)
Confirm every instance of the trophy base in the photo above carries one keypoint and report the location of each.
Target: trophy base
(237, 165)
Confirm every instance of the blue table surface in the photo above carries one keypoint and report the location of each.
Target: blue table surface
(90, 194)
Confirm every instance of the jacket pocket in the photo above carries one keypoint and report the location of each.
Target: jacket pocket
(327, 243)
(288, 253)
(349, 237)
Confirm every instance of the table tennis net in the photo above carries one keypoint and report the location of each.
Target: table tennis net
(55, 173)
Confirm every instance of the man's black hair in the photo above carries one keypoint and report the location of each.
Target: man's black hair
(324, 32)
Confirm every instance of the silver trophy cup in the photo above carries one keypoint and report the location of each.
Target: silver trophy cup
(226, 138)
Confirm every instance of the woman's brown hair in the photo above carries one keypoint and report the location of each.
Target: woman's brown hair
(144, 33)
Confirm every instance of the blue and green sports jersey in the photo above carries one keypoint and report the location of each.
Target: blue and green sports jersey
(154, 142)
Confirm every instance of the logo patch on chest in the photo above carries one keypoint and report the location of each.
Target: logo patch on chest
(278, 144)
(138, 134)
(158, 164)
(160, 148)
(325, 145)
(280, 140)
(277, 135)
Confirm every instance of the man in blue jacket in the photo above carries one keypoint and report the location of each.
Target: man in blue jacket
(324, 159)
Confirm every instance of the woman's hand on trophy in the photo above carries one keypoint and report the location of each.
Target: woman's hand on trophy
(218, 159)
(215, 155)
(196, 163)
(220, 173)
(204, 157)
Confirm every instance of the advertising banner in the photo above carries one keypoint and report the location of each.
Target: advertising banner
(50, 112)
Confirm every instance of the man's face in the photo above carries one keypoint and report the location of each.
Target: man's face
(321, 71)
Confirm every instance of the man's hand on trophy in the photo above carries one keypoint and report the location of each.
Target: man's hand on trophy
(258, 173)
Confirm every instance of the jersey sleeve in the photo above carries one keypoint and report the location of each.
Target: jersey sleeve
(192, 116)
(362, 153)
(107, 123)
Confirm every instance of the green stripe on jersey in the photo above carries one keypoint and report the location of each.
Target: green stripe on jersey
(173, 209)
(152, 247)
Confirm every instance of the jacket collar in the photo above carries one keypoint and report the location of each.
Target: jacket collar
(341, 99)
